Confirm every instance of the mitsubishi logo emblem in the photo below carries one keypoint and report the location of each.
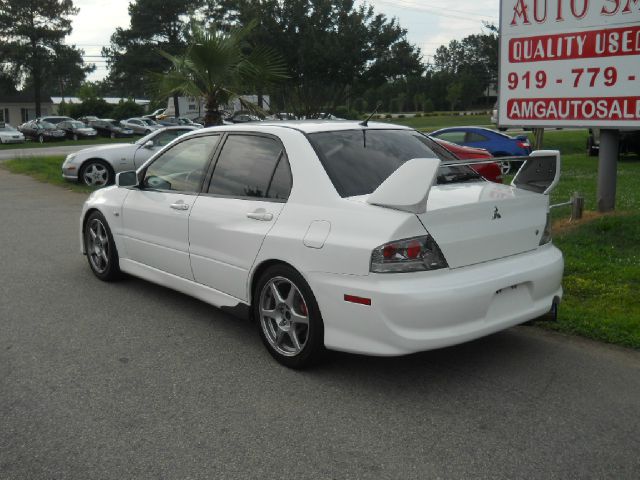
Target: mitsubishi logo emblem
(496, 213)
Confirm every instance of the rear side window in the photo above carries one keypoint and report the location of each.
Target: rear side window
(476, 137)
(251, 166)
(358, 161)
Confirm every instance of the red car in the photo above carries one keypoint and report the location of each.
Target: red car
(490, 171)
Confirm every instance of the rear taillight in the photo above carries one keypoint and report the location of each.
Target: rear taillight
(524, 145)
(408, 255)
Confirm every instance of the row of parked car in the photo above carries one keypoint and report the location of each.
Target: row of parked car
(97, 166)
(53, 128)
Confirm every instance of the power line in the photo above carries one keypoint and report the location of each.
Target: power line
(434, 11)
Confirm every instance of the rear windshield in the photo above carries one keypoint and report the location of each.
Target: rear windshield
(358, 161)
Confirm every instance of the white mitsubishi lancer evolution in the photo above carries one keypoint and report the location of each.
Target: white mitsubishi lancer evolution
(359, 237)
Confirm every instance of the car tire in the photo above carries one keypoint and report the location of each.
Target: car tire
(75, 136)
(40, 138)
(112, 135)
(96, 173)
(100, 248)
(147, 132)
(289, 321)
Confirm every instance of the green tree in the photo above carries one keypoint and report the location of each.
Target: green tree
(127, 109)
(31, 43)
(133, 53)
(472, 62)
(218, 66)
(334, 49)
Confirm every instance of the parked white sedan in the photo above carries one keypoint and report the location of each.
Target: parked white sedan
(333, 235)
(8, 134)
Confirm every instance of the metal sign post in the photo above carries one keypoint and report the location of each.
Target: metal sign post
(607, 169)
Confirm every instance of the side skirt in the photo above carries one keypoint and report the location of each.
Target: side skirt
(223, 301)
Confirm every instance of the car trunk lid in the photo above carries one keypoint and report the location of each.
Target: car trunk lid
(483, 221)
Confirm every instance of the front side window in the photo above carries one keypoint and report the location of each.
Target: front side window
(252, 166)
(453, 137)
(182, 167)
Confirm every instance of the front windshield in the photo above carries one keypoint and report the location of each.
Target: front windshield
(358, 161)
(148, 121)
(77, 124)
(7, 128)
(113, 122)
(47, 125)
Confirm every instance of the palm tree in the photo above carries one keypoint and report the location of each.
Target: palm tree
(218, 66)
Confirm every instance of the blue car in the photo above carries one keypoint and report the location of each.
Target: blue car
(498, 144)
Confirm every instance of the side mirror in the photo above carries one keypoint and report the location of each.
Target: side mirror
(149, 144)
(127, 179)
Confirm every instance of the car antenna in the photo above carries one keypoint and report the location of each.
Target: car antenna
(365, 123)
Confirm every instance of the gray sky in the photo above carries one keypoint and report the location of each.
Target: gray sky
(429, 23)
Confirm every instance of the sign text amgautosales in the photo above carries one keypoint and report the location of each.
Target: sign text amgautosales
(570, 63)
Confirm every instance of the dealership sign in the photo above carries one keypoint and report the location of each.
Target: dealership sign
(570, 63)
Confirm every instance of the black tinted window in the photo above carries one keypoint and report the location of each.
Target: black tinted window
(280, 185)
(251, 166)
(476, 137)
(183, 166)
(358, 161)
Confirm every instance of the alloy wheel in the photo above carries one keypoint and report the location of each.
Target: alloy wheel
(95, 175)
(284, 316)
(98, 245)
(505, 167)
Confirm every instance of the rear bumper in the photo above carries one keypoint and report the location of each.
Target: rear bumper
(426, 310)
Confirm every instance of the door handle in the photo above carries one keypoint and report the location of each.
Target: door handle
(260, 214)
(179, 206)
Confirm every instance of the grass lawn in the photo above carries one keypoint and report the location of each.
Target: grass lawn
(601, 278)
(66, 143)
(602, 254)
(46, 169)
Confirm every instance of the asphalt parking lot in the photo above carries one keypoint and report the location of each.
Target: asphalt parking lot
(131, 380)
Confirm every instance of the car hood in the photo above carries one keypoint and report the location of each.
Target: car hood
(113, 150)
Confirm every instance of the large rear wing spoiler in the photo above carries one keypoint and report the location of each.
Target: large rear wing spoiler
(539, 173)
(408, 187)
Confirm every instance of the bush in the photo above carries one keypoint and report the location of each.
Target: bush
(402, 115)
(90, 106)
(428, 106)
(127, 109)
(343, 112)
(418, 115)
(388, 115)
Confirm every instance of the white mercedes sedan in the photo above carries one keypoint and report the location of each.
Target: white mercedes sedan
(333, 235)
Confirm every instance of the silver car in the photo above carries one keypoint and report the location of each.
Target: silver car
(97, 166)
(140, 126)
